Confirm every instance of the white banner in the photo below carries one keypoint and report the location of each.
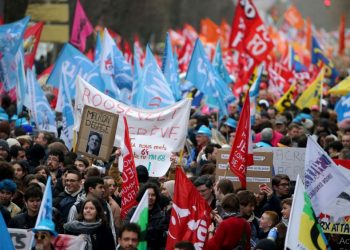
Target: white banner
(323, 181)
(161, 131)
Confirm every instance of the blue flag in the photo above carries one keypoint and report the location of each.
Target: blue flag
(219, 65)
(137, 80)
(64, 105)
(71, 63)
(20, 79)
(205, 78)
(98, 49)
(5, 237)
(254, 92)
(342, 109)
(318, 57)
(169, 69)
(11, 45)
(294, 61)
(154, 88)
(44, 117)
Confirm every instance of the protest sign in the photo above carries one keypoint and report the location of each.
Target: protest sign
(162, 128)
(257, 174)
(286, 160)
(21, 238)
(96, 133)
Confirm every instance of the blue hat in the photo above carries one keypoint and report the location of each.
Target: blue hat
(4, 117)
(231, 123)
(46, 225)
(204, 130)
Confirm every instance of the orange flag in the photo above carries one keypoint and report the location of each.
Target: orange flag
(210, 30)
(294, 17)
(342, 35)
(308, 33)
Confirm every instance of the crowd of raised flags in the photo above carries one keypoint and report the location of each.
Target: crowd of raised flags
(224, 65)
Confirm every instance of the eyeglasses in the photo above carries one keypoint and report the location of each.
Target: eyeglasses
(52, 159)
(40, 236)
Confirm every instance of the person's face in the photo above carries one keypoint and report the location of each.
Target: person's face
(264, 222)
(5, 197)
(89, 212)
(42, 240)
(111, 185)
(283, 188)
(80, 166)
(94, 142)
(280, 128)
(33, 205)
(345, 140)
(285, 211)
(53, 162)
(4, 136)
(151, 198)
(98, 191)
(232, 137)
(247, 210)
(19, 173)
(128, 241)
(72, 183)
(205, 192)
(40, 139)
(3, 154)
(293, 133)
(21, 156)
(42, 172)
(202, 140)
(212, 156)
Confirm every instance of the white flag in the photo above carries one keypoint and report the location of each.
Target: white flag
(323, 182)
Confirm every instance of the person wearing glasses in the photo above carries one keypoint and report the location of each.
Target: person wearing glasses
(93, 225)
(54, 162)
(66, 199)
(281, 189)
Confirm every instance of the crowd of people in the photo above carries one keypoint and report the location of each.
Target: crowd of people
(87, 201)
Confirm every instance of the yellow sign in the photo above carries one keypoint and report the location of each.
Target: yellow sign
(49, 12)
(55, 33)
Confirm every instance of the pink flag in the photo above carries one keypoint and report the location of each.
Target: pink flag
(130, 184)
(82, 28)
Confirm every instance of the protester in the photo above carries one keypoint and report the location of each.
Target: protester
(129, 237)
(7, 191)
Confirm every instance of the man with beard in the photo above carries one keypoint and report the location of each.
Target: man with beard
(129, 236)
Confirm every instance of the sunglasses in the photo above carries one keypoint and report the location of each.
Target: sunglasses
(40, 236)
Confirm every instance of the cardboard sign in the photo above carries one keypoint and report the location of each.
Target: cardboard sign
(96, 133)
(286, 160)
(259, 173)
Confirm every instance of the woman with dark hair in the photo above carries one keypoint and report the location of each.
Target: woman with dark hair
(42, 170)
(158, 221)
(92, 224)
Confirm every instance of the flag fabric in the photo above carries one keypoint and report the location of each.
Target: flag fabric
(205, 78)
(137, 81)
(342, 88)
(31, 42)
(319, 58)
(98, 49)
(219, 65)
(341, 48)
(190, 214)
(241, 154)
(294, 17)
(210, 31)
(323, 181)
(64, 105)
(71, 63)
(81, 29)
(342, 109)
(248, 32)
(130, 184)
(5, 237)
(20, 79)
(287, 99)
(140, 217)
(303, 231)
(11, 43)
(313, 94)
(169, 69)
(185, 56)
(154, 89)
(294, 62)
(37, 103)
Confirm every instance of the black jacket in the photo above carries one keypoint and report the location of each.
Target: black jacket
(22, 221)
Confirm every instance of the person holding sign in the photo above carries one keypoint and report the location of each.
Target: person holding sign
(94, 143)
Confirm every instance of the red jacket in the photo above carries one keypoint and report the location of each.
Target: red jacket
(229, 233)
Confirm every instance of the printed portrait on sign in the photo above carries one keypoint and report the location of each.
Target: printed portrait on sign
(94, 143)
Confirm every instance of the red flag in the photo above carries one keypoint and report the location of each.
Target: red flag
(138, 51)
(241, 155)
(31, 40)
(342, 36)
(130, 184)
(248, 33)
(190, 215)
(82, 28)
(185, 56)
(128, 52)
